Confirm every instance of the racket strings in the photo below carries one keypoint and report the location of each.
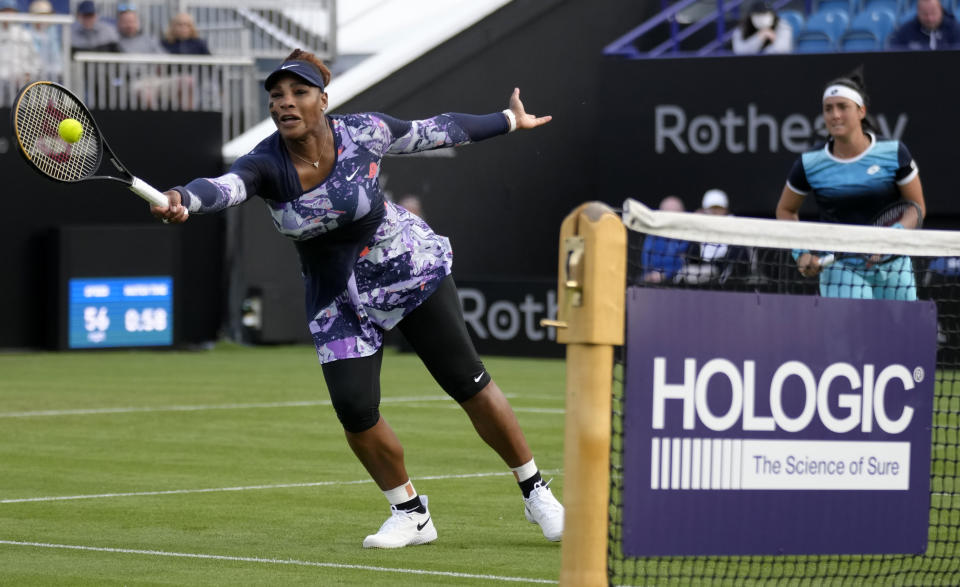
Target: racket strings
(38, 114)
(897, 212)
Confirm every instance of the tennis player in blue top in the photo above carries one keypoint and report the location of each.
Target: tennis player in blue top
(853, 177)
(368, 266)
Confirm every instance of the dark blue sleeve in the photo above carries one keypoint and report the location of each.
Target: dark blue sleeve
(797, 180)
(216, 193)
(905, 165)
(484, 126)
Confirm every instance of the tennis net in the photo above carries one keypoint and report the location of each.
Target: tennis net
(801, 521)
(771, 428)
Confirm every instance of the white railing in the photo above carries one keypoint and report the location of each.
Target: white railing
(273, 27)
(33, 49)
(120, 81)
(238, 32)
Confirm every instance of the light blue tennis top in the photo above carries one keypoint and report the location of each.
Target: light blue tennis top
(853, 191)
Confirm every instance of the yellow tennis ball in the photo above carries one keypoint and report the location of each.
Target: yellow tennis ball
(70, 130)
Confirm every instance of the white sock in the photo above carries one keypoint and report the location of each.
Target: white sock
(524, 471)
(401, 494)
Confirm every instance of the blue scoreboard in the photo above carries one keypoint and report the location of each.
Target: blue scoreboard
(120, 312)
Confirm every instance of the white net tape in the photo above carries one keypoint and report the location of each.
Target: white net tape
(758, 232)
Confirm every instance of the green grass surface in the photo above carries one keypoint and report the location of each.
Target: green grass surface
(135, 436)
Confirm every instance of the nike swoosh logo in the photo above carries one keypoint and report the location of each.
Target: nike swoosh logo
(351, 176)
(420, 526)
(477, 378)
(289, 65)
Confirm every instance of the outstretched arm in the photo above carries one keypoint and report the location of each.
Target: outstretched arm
(453, 129)
(212, 194)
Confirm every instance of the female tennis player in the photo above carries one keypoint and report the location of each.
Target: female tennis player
(368, 266)
(855, 176)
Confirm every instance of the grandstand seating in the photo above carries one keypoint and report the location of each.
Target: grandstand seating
(842, 22)
(878, 21)
(829, 21)
(848, 6)
(814, 42)
(860, 40)
(894, 6)
(794, 18)
(906, 16)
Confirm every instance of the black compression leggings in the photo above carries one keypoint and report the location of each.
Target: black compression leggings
(438, 334)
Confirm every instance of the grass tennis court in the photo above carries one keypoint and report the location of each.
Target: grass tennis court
(229, 467)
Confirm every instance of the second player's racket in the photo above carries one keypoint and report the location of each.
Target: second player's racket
(889, 216)
(36, 115)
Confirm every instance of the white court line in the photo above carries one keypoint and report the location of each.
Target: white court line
(252, 487)
(541, 410)
(276, 561)
(130, 410)
(199, 408)
(528, 410)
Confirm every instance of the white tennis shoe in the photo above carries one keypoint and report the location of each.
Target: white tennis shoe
(543, 508)
(403, 529)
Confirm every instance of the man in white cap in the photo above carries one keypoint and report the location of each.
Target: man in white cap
(709, 264)
(715, 202)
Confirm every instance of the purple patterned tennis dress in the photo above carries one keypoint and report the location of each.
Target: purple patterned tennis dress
(366, 262)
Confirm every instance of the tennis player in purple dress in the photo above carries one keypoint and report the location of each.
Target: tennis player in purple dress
(368, 266)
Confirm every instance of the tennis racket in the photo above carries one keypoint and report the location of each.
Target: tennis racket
(890, 215)
(36, 115)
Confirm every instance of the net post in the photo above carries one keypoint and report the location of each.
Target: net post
(591, 292)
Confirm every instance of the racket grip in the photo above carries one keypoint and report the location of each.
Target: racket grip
(148, 192)
(827, 259)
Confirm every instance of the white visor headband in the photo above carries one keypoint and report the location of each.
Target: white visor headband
(838, 91)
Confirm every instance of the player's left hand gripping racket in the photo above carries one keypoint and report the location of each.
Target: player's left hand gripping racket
(36, 115)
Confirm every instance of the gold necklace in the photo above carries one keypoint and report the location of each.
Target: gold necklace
(316, 164)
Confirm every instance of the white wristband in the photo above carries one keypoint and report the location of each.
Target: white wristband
(511, 120)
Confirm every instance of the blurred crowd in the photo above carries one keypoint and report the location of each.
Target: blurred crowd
(847, 25)
(667, 260)
(34, 49)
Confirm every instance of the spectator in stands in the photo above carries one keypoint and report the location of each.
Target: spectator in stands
(181, 37)
(853, 177)
(933, 28)
(19, 61)
(132, 39)
(46, 39)
(369, 266)
(708, 262)
(88, 33)
(762, 31)
(662, 258)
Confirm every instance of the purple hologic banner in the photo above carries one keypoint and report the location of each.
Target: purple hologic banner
(776, 424)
